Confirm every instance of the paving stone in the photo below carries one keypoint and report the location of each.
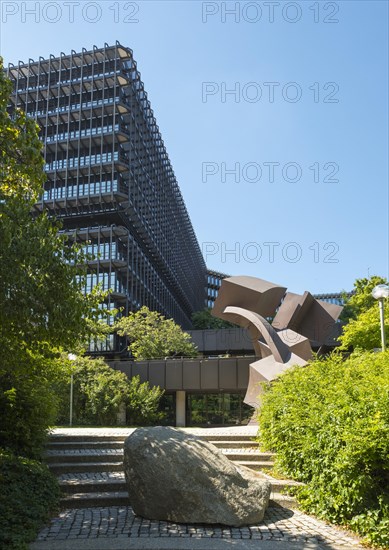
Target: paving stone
(113, 522)
(279, 524)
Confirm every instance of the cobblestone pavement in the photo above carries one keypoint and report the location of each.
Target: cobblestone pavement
(118, 528)
(279, 524)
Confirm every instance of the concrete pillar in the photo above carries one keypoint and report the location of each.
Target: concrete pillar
(121, 415)
(180, 408)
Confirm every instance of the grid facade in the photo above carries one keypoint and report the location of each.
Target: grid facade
(110, 180)
(215, 278)
(337, 298)
(214, 281)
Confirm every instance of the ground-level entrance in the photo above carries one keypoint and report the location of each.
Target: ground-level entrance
(205, 409)
(199, 391)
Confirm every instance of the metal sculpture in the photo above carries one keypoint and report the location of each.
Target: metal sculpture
(298, 323)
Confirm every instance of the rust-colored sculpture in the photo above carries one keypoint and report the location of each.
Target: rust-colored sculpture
(298, 322)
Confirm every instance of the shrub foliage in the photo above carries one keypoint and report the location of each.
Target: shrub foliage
(329, 425)
(29, 493)
(100, 392)
(27, 404)
(151, 336)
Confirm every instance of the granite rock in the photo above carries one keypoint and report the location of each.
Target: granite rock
(178, 477)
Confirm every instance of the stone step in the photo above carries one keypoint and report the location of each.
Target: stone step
(84, 455)
(98, 499)
(228, 437)
(109, 480)
(58, 468)
(120, 498)
(86, 438)
(283, 500)
(278, 485)
(74, 437)
(249, 456)
(116, 455)
(109, 492)
(74, 444)
(237, 444)
(92, 485)
(90, 468)
(255, 465)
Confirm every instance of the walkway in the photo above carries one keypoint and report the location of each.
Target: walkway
(117, 528)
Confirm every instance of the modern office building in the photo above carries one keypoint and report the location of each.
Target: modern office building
(215, 278)
(214, 281)
(110, 180)
(338, 298)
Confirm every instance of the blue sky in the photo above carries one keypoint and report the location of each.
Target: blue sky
(292, 188)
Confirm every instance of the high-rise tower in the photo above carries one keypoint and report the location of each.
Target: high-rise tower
(110, 180)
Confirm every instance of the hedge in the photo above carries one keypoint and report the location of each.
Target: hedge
(29, 493)
(329, 425)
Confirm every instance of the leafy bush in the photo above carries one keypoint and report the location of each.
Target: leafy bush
(204, 320)
(99, 392)
(27, 404)
(329, 425)
(151, 336)
(28, 495)
(365, 331)
(143, 403)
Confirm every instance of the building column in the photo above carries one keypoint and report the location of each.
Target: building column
(180, 408)
(121, 415)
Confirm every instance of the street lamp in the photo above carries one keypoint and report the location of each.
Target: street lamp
(380, 292)
(71, 357)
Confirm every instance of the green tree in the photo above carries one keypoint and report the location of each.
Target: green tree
(361, 300)
(42, 306)
(99, 393)
(363, 329)
(204, 320)
(143, 403)
(364, 332)
(151, 336)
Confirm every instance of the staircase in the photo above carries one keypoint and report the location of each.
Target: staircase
(90, 468)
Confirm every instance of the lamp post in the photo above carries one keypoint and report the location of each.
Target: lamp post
(380, 292)
(71, 357)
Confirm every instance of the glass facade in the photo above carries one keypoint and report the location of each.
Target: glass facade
(207, 409)
(217, 409)
(337, 298)
(110, 180)
(214, 281)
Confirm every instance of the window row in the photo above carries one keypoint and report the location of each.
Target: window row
(108, 281)
(68, 77)
(95, 131)
(81, 189)
(75, 162)
(104, 251)
(108, 344)
(215, 281)
(72, 107)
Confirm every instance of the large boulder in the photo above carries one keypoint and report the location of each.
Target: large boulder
(179, 477)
